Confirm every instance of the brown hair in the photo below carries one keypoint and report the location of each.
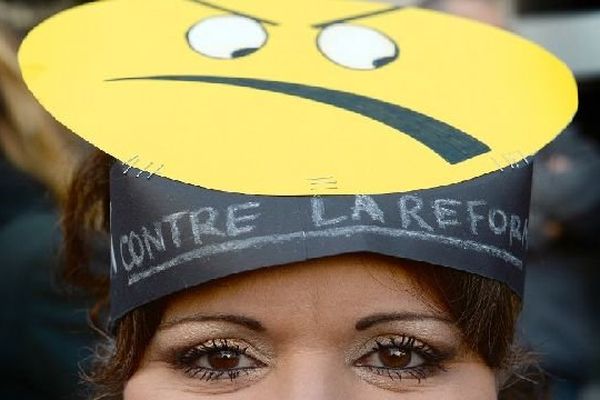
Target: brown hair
(485, 310)
(30, 139)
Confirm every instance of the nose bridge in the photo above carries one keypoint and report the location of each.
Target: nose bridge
(312, 375)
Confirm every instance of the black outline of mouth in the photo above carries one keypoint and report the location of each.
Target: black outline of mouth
(450, 143)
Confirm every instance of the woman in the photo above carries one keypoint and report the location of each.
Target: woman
(372, 248)
(348, 326)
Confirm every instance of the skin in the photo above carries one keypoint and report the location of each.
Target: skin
(310, 331)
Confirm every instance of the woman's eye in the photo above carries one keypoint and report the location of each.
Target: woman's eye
(400, 358)
(227, 36)
(225, 360)
(391, 358)
(356, 47)
(217, 359)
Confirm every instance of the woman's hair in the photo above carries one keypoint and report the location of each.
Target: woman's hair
(485, 310)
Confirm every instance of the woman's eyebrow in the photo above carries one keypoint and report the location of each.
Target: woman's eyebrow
(375, 319)
(241, 14)
(246, 322)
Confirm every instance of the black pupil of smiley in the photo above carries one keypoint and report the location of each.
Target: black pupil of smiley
(394, 357)
(243, 52)
(380, 62)
(224, 359)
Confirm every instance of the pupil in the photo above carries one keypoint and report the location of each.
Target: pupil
(243, 52)
(394, 358)
(380, 62)
(224, 360)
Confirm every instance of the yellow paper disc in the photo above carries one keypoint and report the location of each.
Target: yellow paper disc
(297, 98)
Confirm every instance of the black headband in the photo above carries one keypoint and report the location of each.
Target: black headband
(168, 236)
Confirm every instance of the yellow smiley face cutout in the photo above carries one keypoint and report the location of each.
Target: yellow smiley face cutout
(297, 98)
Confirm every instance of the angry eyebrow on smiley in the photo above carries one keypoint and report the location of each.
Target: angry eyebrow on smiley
(320, 25)
(355, 17)
(399, 5)
(229, 10)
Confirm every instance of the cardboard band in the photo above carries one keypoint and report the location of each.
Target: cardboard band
(168, 236)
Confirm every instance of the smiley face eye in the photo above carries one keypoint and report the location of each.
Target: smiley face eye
(227, 36)
(356, 47)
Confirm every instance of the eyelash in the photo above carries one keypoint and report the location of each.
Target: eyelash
(187, 359)
(433, 359)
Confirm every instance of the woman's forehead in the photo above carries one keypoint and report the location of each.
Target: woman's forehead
(347, 285)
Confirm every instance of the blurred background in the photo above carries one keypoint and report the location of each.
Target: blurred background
(44, 337)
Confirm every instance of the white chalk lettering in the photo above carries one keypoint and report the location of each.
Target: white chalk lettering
(318, 214)
(260, 241)
(233, 219)
(136, 258)
(409, 214)
(498, 229)
(207, 227)
(413, 217)
(445, 216)
(172, 220)
(367, 205)
(473, 216)
(124, 241)
(515, 229)
(158, 241)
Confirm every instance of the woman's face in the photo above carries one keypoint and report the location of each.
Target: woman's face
(347, 327)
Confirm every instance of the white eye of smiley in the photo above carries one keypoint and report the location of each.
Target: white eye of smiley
(356, 47)
(227, 36)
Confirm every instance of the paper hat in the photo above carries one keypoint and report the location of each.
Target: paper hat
(260, 133)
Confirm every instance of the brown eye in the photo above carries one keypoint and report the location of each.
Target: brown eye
(391, 357)
(224, 360)
(219, 356)
(399, 358)
(394, 358)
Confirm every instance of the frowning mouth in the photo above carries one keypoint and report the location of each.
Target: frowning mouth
(450, 143)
